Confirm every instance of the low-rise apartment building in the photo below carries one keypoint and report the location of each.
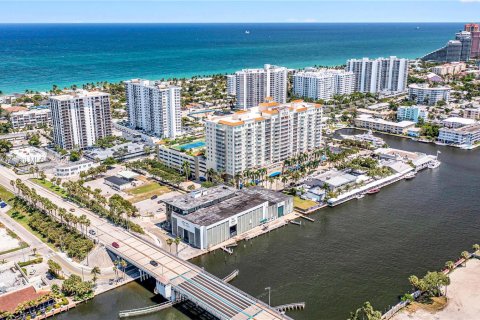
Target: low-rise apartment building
(33, 118)
(368, 122)
(449, 68)
(176, 158)
(466, 135)
(424, 94)
(411, 113)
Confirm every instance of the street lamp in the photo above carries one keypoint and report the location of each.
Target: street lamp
(269, 293)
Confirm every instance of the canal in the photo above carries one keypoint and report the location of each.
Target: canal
(362, 250)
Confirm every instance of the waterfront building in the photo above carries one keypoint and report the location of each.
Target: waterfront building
(154, 107)
(457, 122)
(465, 135)
(379, 75)
(455, 50)
(424, 94)
(254, 86)
(175, 158)
(368, 122)
(231, 85)
(411, 113)
(31, 118)
(474, 30)
(207, 217)
(323, 84)
(472, 113)
(419, 160)
(73, 169)
(449, 68)
(261, 136)
(80, 119)
(27, 155)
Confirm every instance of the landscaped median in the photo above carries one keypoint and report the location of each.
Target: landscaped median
(50, 186)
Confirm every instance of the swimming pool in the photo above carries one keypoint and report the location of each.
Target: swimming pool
(192, 145)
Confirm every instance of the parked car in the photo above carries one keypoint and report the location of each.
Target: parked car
(3, 204)
(154, 263)
(72, 209)
(115, 245)
(92, 232)
(154, 197)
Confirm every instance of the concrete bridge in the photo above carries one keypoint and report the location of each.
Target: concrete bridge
(179, 279)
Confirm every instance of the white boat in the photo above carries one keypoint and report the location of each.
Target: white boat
(360, 196)
(410, 175)
(247, 31)
(434, 164)
(369, 137)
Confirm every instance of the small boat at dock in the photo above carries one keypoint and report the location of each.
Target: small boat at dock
(373, 191)
(360, 196)
(410, 176)
(434, 164)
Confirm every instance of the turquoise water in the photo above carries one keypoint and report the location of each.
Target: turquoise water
(36, 56)
(192, 145)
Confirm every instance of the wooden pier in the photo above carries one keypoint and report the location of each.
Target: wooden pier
(227, 250)
(295, 222)
(231, 276)
(307, 218)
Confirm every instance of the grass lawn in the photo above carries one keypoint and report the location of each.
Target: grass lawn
(50, 186)
(303, 204)
(20, 216)
(146, 191)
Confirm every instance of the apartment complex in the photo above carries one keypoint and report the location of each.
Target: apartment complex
(79, 120)
(411, 113)
(254, 86)
(449, 68)
(323, 84)
(465, 135)
(154, 107)
(424, 94)
(368, 122)
(33, 118)
(379, 75)
(231, 85)
(176, 158)
(262, 135)
(455, 50)
(472, 113)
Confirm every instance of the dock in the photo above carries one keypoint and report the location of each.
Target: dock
(227, 250)
(146, 310)
(231, 276)
(291, 306)
(307, 218)
(295, 222)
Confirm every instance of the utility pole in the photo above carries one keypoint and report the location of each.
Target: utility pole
(269, 293)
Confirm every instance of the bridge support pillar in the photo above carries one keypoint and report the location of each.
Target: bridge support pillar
(165, 290)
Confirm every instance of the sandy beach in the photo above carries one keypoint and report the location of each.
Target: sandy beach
(463, 297)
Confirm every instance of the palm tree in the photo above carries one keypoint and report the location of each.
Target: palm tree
(465, 255)
(449, 265)
(123, 264)
(476, 247)
(169, 243)
(95, 272)
(186, 169)
(177, 242)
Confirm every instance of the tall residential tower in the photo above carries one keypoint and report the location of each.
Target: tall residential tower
(79, 120)
(323, 84)
(378, 75)
(254, 86)
(154, 107)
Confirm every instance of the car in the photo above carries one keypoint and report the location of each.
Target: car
(115, 245)
(154, 197)
(154, 263)
(92, 232)
(3, 204)
(71, 209)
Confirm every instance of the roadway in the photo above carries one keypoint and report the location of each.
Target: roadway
(209, 292)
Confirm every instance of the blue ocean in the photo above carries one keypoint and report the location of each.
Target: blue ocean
(37, 56)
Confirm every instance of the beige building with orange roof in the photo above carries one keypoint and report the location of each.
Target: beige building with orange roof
(261, 136)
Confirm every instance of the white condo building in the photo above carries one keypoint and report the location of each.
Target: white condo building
(231, 85)
(379, 75)
(323, 84)
(424, 94)
(154, 107)
(254, 86)
(79, 120)
(263, 135)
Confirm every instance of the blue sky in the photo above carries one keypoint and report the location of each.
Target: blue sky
(105, 11)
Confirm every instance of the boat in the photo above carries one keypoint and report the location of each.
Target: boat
(368, 137)
(360, 196)
(247, 31)
(373, 191)
(410, 176)
(434, 164)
